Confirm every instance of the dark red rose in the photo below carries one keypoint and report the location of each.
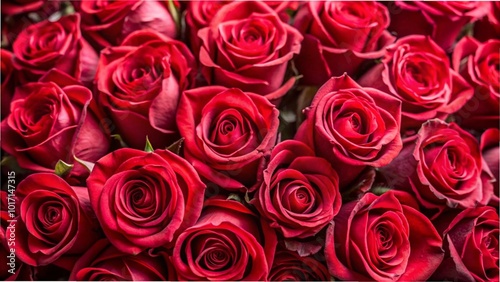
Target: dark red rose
(441, 20)
(382, 238)
(46, 45)
(15, 7)
(339, 37)
(471, 243)
(289, 266)
(247, 46)
(51, 120)
(489, 26)
(442, 166)
(300, 193)
(107, 23)
(104, 262)
(479, 64)
(139, 84)
(417, 71)
(227, 134)
(144, 200)
(55, 221)
(490, 150)
(227, 243)
(9, 78)
(352, 127)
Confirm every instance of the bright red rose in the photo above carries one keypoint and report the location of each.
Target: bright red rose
(490, 150)
(227, 243)
(51, 120)
(46, 45)
(144, 200)
(489, 26)
(479, 64)
(107, 23)
(289, 266)
(417, 71)
(352, 127)
(441, 20)
(139, 84)
(247, 46)
(382, 238)
(9, 78)
(339, 37)
(300, 193)
(104, 262)
(227, 134)
(55, 221)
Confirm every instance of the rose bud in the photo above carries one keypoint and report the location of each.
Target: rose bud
(490, 151)
(382, 238)
(289, 266)
(489, 26)
(339, 36)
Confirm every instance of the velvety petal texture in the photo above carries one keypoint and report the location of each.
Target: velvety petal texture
(289, 266)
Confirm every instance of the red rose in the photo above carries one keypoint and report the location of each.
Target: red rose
(227, 243)
(489, 26)
(471, 244)
(227, 134)
(339, 37)
(103, 262)
(107, 23)
(289, 266)
(15, 7)
(382, 238)
(490, 151)
(417, 71)
(300, 193)
(9, 78)
(51, 120)
(478, 64)
(442, 168)
(46, 45)
(55, 223)
(352, 127)
(442, 20)
(247, 46)
(139, 84)
(144, 200)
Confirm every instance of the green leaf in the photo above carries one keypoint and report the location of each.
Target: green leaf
(176, 146)
(379, 190)
(174, 13)
(118, 138)
(148, 148)
(88, 165)
(235, 197)
(63, 168)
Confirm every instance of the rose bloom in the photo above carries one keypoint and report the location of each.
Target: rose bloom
(104, 262)
(289, 266)
(441, 20)
(144, 200)
(227, 135)
(300, 193)
(478, 63)
(46, 45)
(247, 46)
(228, 242)
(339, 36)
(51, 120)
(490, 151)
(382, 238)
(352, 127)
(107, 23)
(489, 26)
(16, 7)
(417, 71)
(139, 84)
(471, 244)
(9, 79)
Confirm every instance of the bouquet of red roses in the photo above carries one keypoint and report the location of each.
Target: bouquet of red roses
(250, 140)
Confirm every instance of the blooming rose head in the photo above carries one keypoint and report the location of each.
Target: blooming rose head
(107, 23)
(227, 134)
(417, 71)
(339, 36)
(490, 151)
(104, 262)
(247, 46)
(300, 193)
(51, 120)
(489, 26)
(55, 220)
(382, 238)
(479, 64)
(139, 84)
(227, 243)
(144, 199)
(352, 127)
(46, 45)
(289, 266)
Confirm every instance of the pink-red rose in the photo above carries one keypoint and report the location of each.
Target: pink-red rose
(489, 26)
(490, 151)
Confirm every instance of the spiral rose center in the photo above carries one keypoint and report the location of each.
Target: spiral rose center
(297, 197)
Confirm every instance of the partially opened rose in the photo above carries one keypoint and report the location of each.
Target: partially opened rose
(144, 199)
(352, 127)
(289, 266)
(227, 134)
(247, 46)
(382, 238)
(229, 242)
(339, 36)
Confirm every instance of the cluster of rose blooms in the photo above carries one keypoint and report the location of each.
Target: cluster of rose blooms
(219, 140)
